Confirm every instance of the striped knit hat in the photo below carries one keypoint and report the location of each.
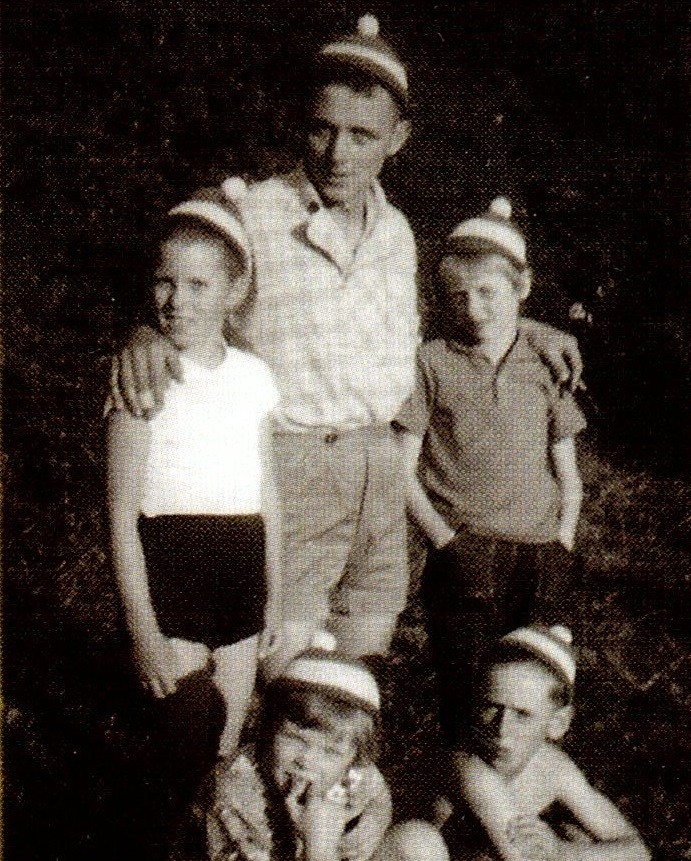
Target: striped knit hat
(366, 51)
(220, 209)
(552, 646)
(322, 668)
(491, 232)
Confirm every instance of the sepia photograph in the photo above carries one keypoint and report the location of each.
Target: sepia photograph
(363, 327)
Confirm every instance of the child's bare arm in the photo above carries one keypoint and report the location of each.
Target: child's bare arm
(484, 793)
(271, 510)
(128, 451)
(615, 838)
(435, 527)
(360, 843)
(571, 488)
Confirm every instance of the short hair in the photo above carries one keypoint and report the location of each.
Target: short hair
(189, 229)
(319, 709)
(561, 691)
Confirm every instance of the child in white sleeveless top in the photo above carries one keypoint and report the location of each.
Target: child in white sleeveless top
(193, 508)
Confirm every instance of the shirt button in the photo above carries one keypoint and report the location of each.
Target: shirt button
(330, 438)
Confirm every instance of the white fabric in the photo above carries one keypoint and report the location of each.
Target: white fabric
(350, 50)
(205, 456)
(503, 235)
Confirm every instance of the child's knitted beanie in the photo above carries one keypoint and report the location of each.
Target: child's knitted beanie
(491, 232)
(552, 646)
(366, 51)
(321, 667)
(219, 208)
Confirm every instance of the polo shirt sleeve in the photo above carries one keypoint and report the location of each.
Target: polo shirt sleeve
(415, 413)
(566, 419)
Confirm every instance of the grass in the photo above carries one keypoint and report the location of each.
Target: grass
(72, 734)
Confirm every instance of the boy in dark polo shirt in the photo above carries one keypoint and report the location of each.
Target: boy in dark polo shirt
(492, 478)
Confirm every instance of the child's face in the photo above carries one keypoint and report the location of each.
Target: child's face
(302, 757)
(194, 289)
(481, 298)
(515, 716)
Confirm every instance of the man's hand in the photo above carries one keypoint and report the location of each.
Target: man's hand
(559, 350)
(142, 372)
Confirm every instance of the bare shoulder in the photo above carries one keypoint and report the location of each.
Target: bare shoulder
(477, 779)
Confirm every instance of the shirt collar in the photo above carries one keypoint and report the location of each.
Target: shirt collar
(518, 352)
(319, 228)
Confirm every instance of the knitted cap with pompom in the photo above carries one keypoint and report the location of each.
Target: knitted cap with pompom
(491, 232)
(367, 52)
(552, 646)
(321, 667)
(220, 209)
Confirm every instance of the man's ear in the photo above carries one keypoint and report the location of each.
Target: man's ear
(526, 283)
(400, 135)
(559, 723)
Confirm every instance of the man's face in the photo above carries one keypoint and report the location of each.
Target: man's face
(480, 296)
(349, 137)
(515, 716)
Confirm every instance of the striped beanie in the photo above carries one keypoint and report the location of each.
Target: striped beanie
(366, 51)
(219, 208)
(552, 646)
(321, 667)
(491, 232)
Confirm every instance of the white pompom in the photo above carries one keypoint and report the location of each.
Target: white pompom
(560, 632)
(368, 26)
(501, 207)
(323, 640)
(234, 188)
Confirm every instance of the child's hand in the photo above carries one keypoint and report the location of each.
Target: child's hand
(272, 635)
(320, 817)
(535, 840)
(361, 843)
(157, 662)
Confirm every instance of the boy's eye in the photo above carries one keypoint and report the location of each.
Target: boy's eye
(361, 137)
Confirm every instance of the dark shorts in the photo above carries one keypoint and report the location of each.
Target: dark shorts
(206, 575)
(479, 588)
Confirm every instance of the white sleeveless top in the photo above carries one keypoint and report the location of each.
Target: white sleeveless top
(205, 442)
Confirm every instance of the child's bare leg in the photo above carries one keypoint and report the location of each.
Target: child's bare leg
(235, 669)
(412, 841)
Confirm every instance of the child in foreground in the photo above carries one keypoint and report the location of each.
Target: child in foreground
(514, 779)
(193, 511)
(309, 788)
(488, 442)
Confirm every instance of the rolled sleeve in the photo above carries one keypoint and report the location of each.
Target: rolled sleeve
(567, 420)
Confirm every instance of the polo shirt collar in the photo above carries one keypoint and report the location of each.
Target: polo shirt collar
(517, 353)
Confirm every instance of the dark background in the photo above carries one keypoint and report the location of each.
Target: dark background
(578, 111)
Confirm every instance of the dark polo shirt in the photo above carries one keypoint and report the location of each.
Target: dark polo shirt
(487, 431)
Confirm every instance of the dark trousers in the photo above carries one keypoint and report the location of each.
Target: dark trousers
(475, 590)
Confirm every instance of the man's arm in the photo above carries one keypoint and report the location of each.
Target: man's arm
(141, 372)
(570, 487)
(558, 349)
(425, 514)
